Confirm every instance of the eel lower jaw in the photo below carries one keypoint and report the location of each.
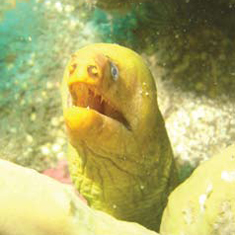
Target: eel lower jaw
(87, 98)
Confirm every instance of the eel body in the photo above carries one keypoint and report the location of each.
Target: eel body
(120, 157)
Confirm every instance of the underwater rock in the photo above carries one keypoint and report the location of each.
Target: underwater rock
(34, 204)
(204, 204)
(120, 157)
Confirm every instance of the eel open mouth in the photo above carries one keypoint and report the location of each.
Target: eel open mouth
(87, 96)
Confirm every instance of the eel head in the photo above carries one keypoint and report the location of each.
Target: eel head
(108, 96)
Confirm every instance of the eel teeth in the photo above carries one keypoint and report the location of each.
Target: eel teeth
(69, 100)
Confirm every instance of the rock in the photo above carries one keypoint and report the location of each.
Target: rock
(35, 204)
(205, 203)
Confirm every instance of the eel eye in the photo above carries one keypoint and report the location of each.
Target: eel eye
(114, 71)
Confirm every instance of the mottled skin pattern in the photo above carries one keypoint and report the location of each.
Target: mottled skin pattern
(124, 168)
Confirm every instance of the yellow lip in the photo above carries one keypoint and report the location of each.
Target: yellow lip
(82, 120)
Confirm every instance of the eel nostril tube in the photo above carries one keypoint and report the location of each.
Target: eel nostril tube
(72, 69)
(93, 71)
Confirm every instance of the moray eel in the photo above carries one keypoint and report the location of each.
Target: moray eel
(120, 157)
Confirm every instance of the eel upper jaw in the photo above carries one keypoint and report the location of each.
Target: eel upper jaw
(83, 95)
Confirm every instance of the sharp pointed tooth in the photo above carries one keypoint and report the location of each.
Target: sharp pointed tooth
(69, 100)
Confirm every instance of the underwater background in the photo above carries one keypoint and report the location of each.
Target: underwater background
(189, 46)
